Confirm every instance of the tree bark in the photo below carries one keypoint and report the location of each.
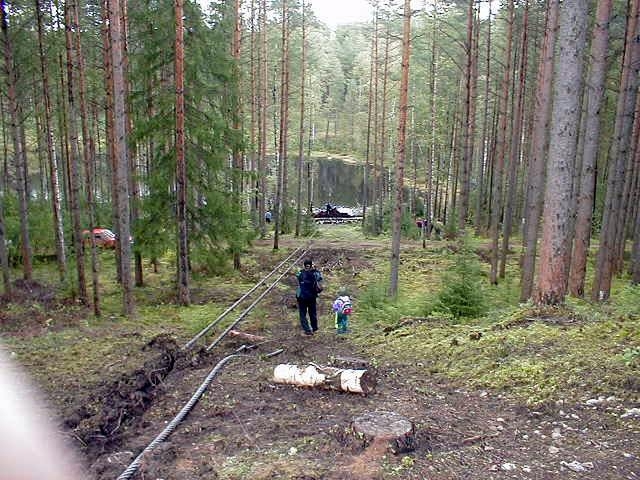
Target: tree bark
(281, 201)
(75, 180)
(501, 144)
(595, 91)
(301, 129)
(537, 166)
(552, 281)
(181, 163)
(4, 256)
(51, 156)
(20, 159)
(516, 143)
(262, 121)
(400, 158)
(617, 158)
(469, 123)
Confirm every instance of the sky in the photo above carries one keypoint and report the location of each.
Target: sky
(338, 12)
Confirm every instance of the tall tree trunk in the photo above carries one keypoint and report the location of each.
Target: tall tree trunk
(181, 162)
(121, 153)
(110, 122)
(19, 153)
(382, 186)
(253, 182)
(74, 156)
(4, 256)
(399, 170)
(262, 151)
(51, 156)
(281, 205)
(465, 170)
(134, 185)
(483, 162)
(376, 122)
(617, 157)
(367, 159)
(537, 165)
(301, 129)
(591, 140)
(497, 203)
(624, 214)
(565, 119)
(516, 142)
(431, 158)
(88, 159)
(238, 163)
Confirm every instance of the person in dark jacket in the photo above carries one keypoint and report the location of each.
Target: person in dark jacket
(309, 285)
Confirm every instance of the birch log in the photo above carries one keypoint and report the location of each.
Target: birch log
(355, 381)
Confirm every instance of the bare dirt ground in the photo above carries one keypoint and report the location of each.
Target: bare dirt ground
(246, 426)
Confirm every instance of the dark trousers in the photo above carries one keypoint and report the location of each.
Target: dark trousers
(305, 305)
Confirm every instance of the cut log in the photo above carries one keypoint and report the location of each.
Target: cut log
(385, 427)
(355, 381)
(247, 336)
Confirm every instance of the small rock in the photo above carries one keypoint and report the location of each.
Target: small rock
(556, 435)
(577, 466)
(575, 417)
(631, 413)
(526, 468)
(293, 451)
(507, 467)
(553, 450)
(494, 468)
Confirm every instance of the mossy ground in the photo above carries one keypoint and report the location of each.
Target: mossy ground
(434, 368)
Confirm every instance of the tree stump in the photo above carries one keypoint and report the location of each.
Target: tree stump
(355, 381)
(390, 428)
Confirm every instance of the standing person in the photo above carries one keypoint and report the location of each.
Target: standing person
(343, 308)
(309, 286)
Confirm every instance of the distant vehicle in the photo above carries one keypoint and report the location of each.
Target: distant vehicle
(104, 237)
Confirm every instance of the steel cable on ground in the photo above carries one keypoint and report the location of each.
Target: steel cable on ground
(250, 307)
(170, 428)
(206, 329)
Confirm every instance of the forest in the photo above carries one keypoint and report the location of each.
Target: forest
(487, 153)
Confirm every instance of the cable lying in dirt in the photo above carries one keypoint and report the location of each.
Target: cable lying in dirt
(169, 429)
(250, 307)
(206, 329)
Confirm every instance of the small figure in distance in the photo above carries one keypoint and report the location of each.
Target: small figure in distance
(267, 216)
(342, 307)
(309, 286)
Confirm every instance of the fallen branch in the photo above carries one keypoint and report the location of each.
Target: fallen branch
(247, 336)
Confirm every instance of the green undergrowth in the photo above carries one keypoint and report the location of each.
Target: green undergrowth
(534, 354)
